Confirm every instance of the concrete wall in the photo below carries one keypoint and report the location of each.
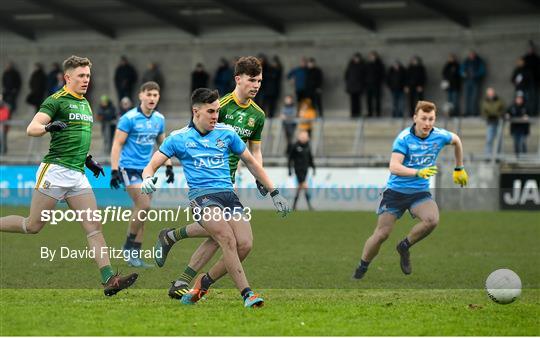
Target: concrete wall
(499, 40)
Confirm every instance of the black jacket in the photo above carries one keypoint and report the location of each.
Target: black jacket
(395, 78)
(300, 157)
(314, 80)
(416, 75)
(374, 74)
(452, 75)
(518, 127)
(354, 77)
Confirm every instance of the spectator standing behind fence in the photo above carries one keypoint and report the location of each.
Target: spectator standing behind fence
(11, 84)
(354, 83)
(125, 105)
(223, 79)
(519, 124)
(106, 114)
(52, 78)
(314, 83)
(125, 78)
(416, 82)
(199, 77)
(262, 90)
(38, 86)
(153, 73)
(472, 70)
(306, 115)
(493, 110)
(452, 84)
(60, 82)
(272, 86)
(298, 75)
(395, 80)
(288, 116)
(532, 61)
(5, 115)
(523, 80)
(374, 78)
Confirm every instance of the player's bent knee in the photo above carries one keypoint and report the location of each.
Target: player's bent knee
(381, 236)
(225, 238)
(244, 247)
(32, 226)
(431, 222)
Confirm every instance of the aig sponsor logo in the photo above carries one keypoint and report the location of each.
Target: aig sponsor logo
(421, 160)
(208, 161)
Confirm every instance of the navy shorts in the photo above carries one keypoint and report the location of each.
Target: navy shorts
(226, 200)
(397, 203)
(131, 176)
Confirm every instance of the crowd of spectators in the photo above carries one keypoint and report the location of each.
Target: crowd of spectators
(364, 80)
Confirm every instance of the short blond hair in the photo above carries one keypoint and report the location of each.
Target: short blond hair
(75, 61)
(425, 106)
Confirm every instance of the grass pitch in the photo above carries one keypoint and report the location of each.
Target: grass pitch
(302, 266)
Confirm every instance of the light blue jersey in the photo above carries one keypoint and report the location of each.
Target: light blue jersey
(419, 153)
(205, 158)
(142, 132)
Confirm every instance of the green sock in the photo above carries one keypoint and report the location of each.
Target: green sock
(180, 233)
(106, 273)
(188, 275)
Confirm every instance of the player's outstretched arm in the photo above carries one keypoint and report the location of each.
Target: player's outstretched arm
(37, 126)
(256, 169)
(460, 175)
(281, 204)
(148, 185)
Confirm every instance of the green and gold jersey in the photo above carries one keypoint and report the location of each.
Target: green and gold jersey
(69, 147)
(246, 119)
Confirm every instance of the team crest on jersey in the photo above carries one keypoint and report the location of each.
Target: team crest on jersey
(220, 143)
(251, 122)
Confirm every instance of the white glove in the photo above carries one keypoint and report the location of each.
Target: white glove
(281, 204)
(149, 185)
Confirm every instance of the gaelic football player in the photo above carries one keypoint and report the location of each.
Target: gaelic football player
(238, 110)
(67, 116)
(413, 162)
(204, 148)
(136, 134)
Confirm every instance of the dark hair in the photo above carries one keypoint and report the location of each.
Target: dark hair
(74, 61)
(203, 96)
(150, 85)
(248, 65)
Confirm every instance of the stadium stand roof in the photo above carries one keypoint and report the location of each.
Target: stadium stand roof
(29, 18)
